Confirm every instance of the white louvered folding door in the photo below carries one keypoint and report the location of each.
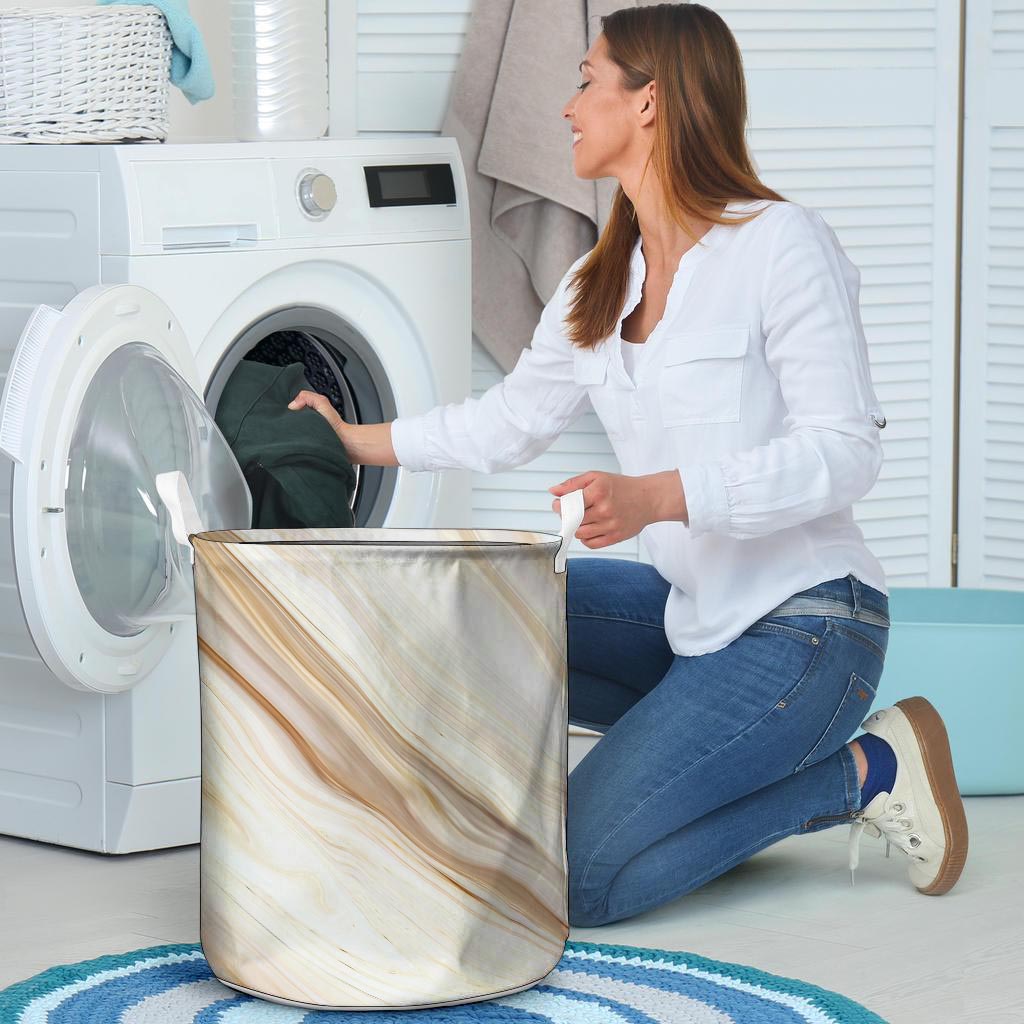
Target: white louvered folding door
(991, 471)
(853, 111)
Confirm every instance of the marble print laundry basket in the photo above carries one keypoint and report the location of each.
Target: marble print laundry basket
(368, 839)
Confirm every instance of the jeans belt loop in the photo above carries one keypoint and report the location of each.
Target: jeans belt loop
(855, 585)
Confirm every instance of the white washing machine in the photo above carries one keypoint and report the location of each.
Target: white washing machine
(133, 279)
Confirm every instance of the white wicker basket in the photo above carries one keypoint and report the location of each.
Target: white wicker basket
(83, 74)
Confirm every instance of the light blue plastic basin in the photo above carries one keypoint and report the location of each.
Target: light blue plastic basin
(963, 649)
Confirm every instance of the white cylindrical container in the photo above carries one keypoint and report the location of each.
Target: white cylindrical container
(279, 49)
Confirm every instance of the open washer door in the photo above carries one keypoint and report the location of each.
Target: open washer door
(101, 397)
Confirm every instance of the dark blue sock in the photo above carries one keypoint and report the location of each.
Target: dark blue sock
(881, 767)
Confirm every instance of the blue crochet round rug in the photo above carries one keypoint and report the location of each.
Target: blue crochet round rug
(594, 983)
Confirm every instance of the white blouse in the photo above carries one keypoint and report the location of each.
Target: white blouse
(755, 386)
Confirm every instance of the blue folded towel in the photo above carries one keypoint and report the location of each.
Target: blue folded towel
(190, 66)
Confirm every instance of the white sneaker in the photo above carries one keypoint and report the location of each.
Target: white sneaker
(924, 814)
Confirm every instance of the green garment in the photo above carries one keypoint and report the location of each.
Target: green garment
(293, 462)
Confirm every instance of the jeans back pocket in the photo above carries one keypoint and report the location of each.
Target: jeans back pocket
(852, 710)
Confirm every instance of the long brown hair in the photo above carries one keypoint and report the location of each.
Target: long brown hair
(699, 152)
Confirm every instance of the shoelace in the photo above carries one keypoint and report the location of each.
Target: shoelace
(888, 822)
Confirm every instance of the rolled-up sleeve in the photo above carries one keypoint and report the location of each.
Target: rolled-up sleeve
(512, 422)
(815, 346)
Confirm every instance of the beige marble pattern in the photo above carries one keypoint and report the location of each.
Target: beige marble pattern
(369, 839)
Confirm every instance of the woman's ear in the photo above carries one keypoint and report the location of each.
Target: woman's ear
(648, 103)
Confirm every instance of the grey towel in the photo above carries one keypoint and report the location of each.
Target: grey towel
(531, 216)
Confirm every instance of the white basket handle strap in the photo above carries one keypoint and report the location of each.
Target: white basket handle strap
(571, 506)
(175, 493)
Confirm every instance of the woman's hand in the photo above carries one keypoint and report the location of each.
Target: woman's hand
(322, 404)
(618, 507)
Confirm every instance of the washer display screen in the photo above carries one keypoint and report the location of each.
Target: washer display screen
(410, 185)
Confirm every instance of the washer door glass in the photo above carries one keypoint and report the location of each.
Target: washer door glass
(138, 418)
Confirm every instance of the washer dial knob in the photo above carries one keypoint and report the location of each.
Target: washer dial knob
(317, 194)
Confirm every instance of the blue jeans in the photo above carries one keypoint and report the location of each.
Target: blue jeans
(707, 759)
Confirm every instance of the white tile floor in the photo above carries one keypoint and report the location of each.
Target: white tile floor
(790, 910)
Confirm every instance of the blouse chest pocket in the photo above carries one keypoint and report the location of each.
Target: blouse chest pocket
(590, 369)
(702, 378)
